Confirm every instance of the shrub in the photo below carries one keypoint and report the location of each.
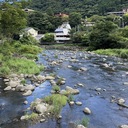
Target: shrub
(28, 39)
(48, 37)
(56, 88)
(70, 98)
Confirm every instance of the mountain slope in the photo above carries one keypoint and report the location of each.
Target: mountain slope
(85, 7)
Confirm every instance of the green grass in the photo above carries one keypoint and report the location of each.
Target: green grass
(122, 53)
(57, 101)
(19, 65)
(12, 58)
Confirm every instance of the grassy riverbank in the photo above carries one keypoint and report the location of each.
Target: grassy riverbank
(122, 53)
(18, 58)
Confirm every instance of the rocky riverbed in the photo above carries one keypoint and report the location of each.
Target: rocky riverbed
(100, 85)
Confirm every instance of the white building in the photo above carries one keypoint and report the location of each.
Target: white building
(62, 33)
(31, 31)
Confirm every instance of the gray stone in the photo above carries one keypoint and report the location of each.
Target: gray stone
(83, 69)
(29, 92)
(80, 126)
(49, 78)
(24, 117)
(25, 102)
(71, 103)
(80, 84)
(42, 120)
(41, 108)
(19, 87)
(71, 90)
(7, 88)
(121, 101)
(13, 84)
(29, 87)
(125, 83)
(79, 103)
(123, 126)
(98, 89)
(41, 78)
(87, 110)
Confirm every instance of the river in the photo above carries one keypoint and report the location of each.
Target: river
(107, 73)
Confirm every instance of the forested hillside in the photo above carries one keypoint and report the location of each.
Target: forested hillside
(85, 7)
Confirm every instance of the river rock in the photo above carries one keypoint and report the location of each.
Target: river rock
(71, 90)
(83, 69)
(87, 110)
(80, 126)
(71, 103)
(20, 88)
(7, 88)
(29, 92)
(42, 120)
(49, 78)
(26, 102)
(125, 83)
(41, 78)
(13, 84)
(63, 92)
(79, 103)
(29, 87)
(121, 101)
(41, 108)
(98, 89)
(24, 117)
(6, 80)
(80, 84)
(123, 126)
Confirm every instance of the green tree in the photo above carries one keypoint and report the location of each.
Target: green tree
(100, 35)
(75, 19)
(40, 21)
(13, 19)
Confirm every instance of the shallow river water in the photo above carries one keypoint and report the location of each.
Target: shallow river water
(107, 73)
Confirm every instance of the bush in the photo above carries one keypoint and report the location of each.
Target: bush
(28, 39)
(56, 88)
(48, 37)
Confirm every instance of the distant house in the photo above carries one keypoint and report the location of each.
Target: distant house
(119, 13)
(28, 10)
(62, 33)
(31, 31)
(62, 15)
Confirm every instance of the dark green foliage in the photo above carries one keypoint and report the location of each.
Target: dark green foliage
(99, 37)
(74, 19)
(28, 39)
(85, 7)
(44, 22)
(48, 37)
(12, 20)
